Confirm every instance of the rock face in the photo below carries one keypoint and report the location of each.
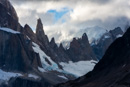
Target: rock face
(8, 16)
(112, 70)
(117, 32)
(80, 49)
(16, 52)
(9, 8)
(29, 33)
(100, 47)
(41, 35)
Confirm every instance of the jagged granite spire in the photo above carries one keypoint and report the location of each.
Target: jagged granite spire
(61, 46)
(80, 49)
(53, 44)
(40, 35)
(84, 36)
(52, 40)
(29, 32)
(39, 28)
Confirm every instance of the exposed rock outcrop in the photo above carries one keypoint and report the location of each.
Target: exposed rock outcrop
(16, 52)
(8, 16)
(80, 49)
(29, 33)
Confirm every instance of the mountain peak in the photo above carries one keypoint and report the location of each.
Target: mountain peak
(40, 35)
(26, 26)
(61, 46)
(52, 40)
(84, 36)
(39, 28)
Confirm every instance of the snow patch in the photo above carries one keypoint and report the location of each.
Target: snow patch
(42, 55)
(62, 77)
(78, 68)
(118, 36)
(33, 76)
(28, 37)
(41, 69)
(9, 13)
(7, 75)
(9, 30)
(106, 37)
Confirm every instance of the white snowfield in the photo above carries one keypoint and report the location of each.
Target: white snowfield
(42, 55)
(7, 75)
(9, 30)
(78, 68)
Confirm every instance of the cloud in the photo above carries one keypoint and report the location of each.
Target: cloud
(79, 15)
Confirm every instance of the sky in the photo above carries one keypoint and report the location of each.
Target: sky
(63, 19)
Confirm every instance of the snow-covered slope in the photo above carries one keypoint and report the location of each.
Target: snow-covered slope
(5, 76)
(75, 68)
(46, 66)
(78, 68)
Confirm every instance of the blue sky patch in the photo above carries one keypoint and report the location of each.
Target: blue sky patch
(59, 14)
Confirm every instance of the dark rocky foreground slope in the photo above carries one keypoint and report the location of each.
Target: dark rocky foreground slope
(113, 70)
